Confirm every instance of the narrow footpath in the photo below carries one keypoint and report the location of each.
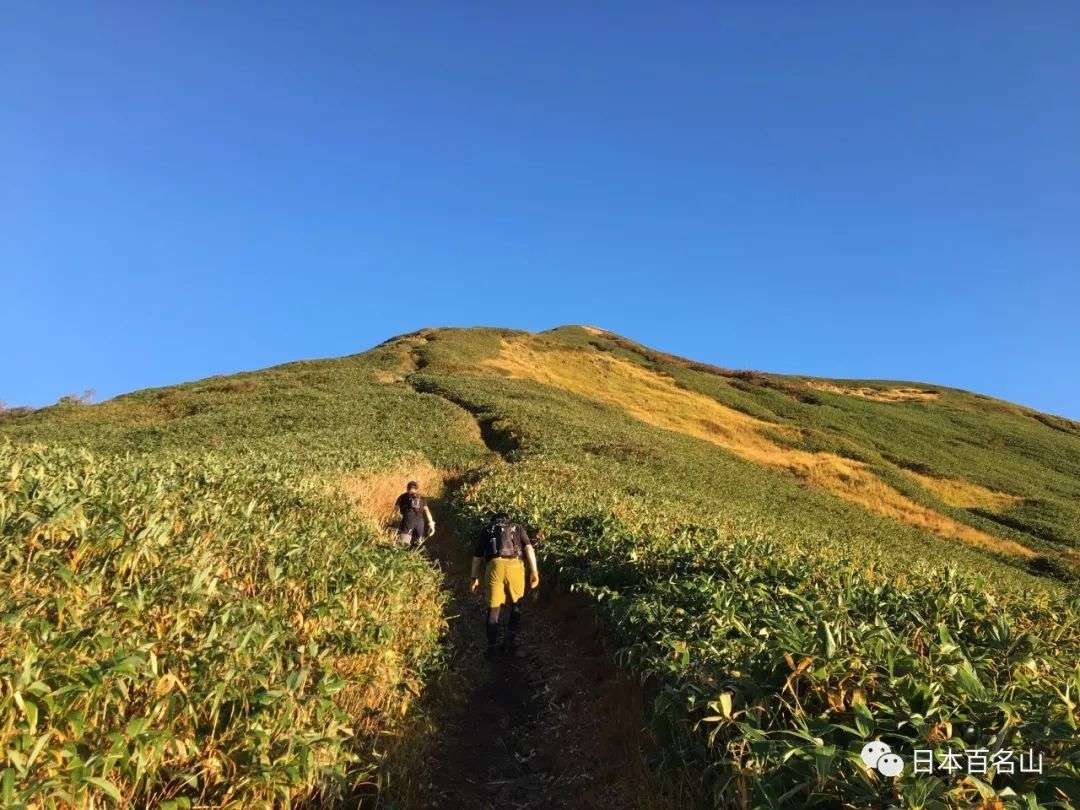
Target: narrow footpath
(554, 725)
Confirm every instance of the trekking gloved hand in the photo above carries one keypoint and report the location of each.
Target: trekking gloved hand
(474, 583)
(534, 580)
(431, 529)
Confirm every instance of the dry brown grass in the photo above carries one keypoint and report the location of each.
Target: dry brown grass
(656, 400)
(387, 377)
(965, 494)
(381, 683)
(372, 493)
(876, 394)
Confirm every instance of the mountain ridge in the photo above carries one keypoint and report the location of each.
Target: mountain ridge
(772, 402)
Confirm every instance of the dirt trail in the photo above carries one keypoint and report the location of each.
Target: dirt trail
(554, 726)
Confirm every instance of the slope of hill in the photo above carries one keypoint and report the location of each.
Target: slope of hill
(795, 566)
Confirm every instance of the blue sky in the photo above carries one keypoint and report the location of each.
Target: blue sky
(840, 189)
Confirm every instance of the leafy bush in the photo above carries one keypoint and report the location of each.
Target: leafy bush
(193, 630)
(773, 663)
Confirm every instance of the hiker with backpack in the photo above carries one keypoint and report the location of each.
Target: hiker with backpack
(505, 549)
(417, 524)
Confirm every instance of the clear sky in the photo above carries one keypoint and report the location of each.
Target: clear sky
(840, 189)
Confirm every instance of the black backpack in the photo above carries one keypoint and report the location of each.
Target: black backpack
(501, 540)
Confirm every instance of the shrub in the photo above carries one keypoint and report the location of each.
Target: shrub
(192, 630)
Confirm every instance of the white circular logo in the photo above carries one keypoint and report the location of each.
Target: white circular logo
(873, 751)
(890, 765)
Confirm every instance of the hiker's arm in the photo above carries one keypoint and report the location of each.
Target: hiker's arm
(430, 521)
(534, 569)
(474, 575)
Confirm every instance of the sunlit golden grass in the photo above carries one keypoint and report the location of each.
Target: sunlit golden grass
(380, 681)
(387, 377)
(965, 494)
(372, 493)
(656, 400)
(875, 394)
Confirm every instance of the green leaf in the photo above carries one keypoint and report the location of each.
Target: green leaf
(864, 720)
(31, 710)
(108, 787)
(823, 760)
(7, 787)
(828, 642)
(38, 745)
(723, 705)
(969, 682)
(17, 759)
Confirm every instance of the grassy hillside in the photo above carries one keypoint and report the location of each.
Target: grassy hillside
(193, 611)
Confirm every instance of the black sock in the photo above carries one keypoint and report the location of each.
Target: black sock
(514, 623)
(492, 626)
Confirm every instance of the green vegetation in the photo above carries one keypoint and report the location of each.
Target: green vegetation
(780, 623)
(193, 630)
(997, 444)
(775, 658)
(190, 613)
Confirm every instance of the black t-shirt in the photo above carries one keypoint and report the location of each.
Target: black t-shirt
(521, 539)
(405, 506)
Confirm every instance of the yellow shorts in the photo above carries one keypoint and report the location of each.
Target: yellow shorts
(504, 578)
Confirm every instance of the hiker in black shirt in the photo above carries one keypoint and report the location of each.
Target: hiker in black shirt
(417, 524)
(503, 552)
